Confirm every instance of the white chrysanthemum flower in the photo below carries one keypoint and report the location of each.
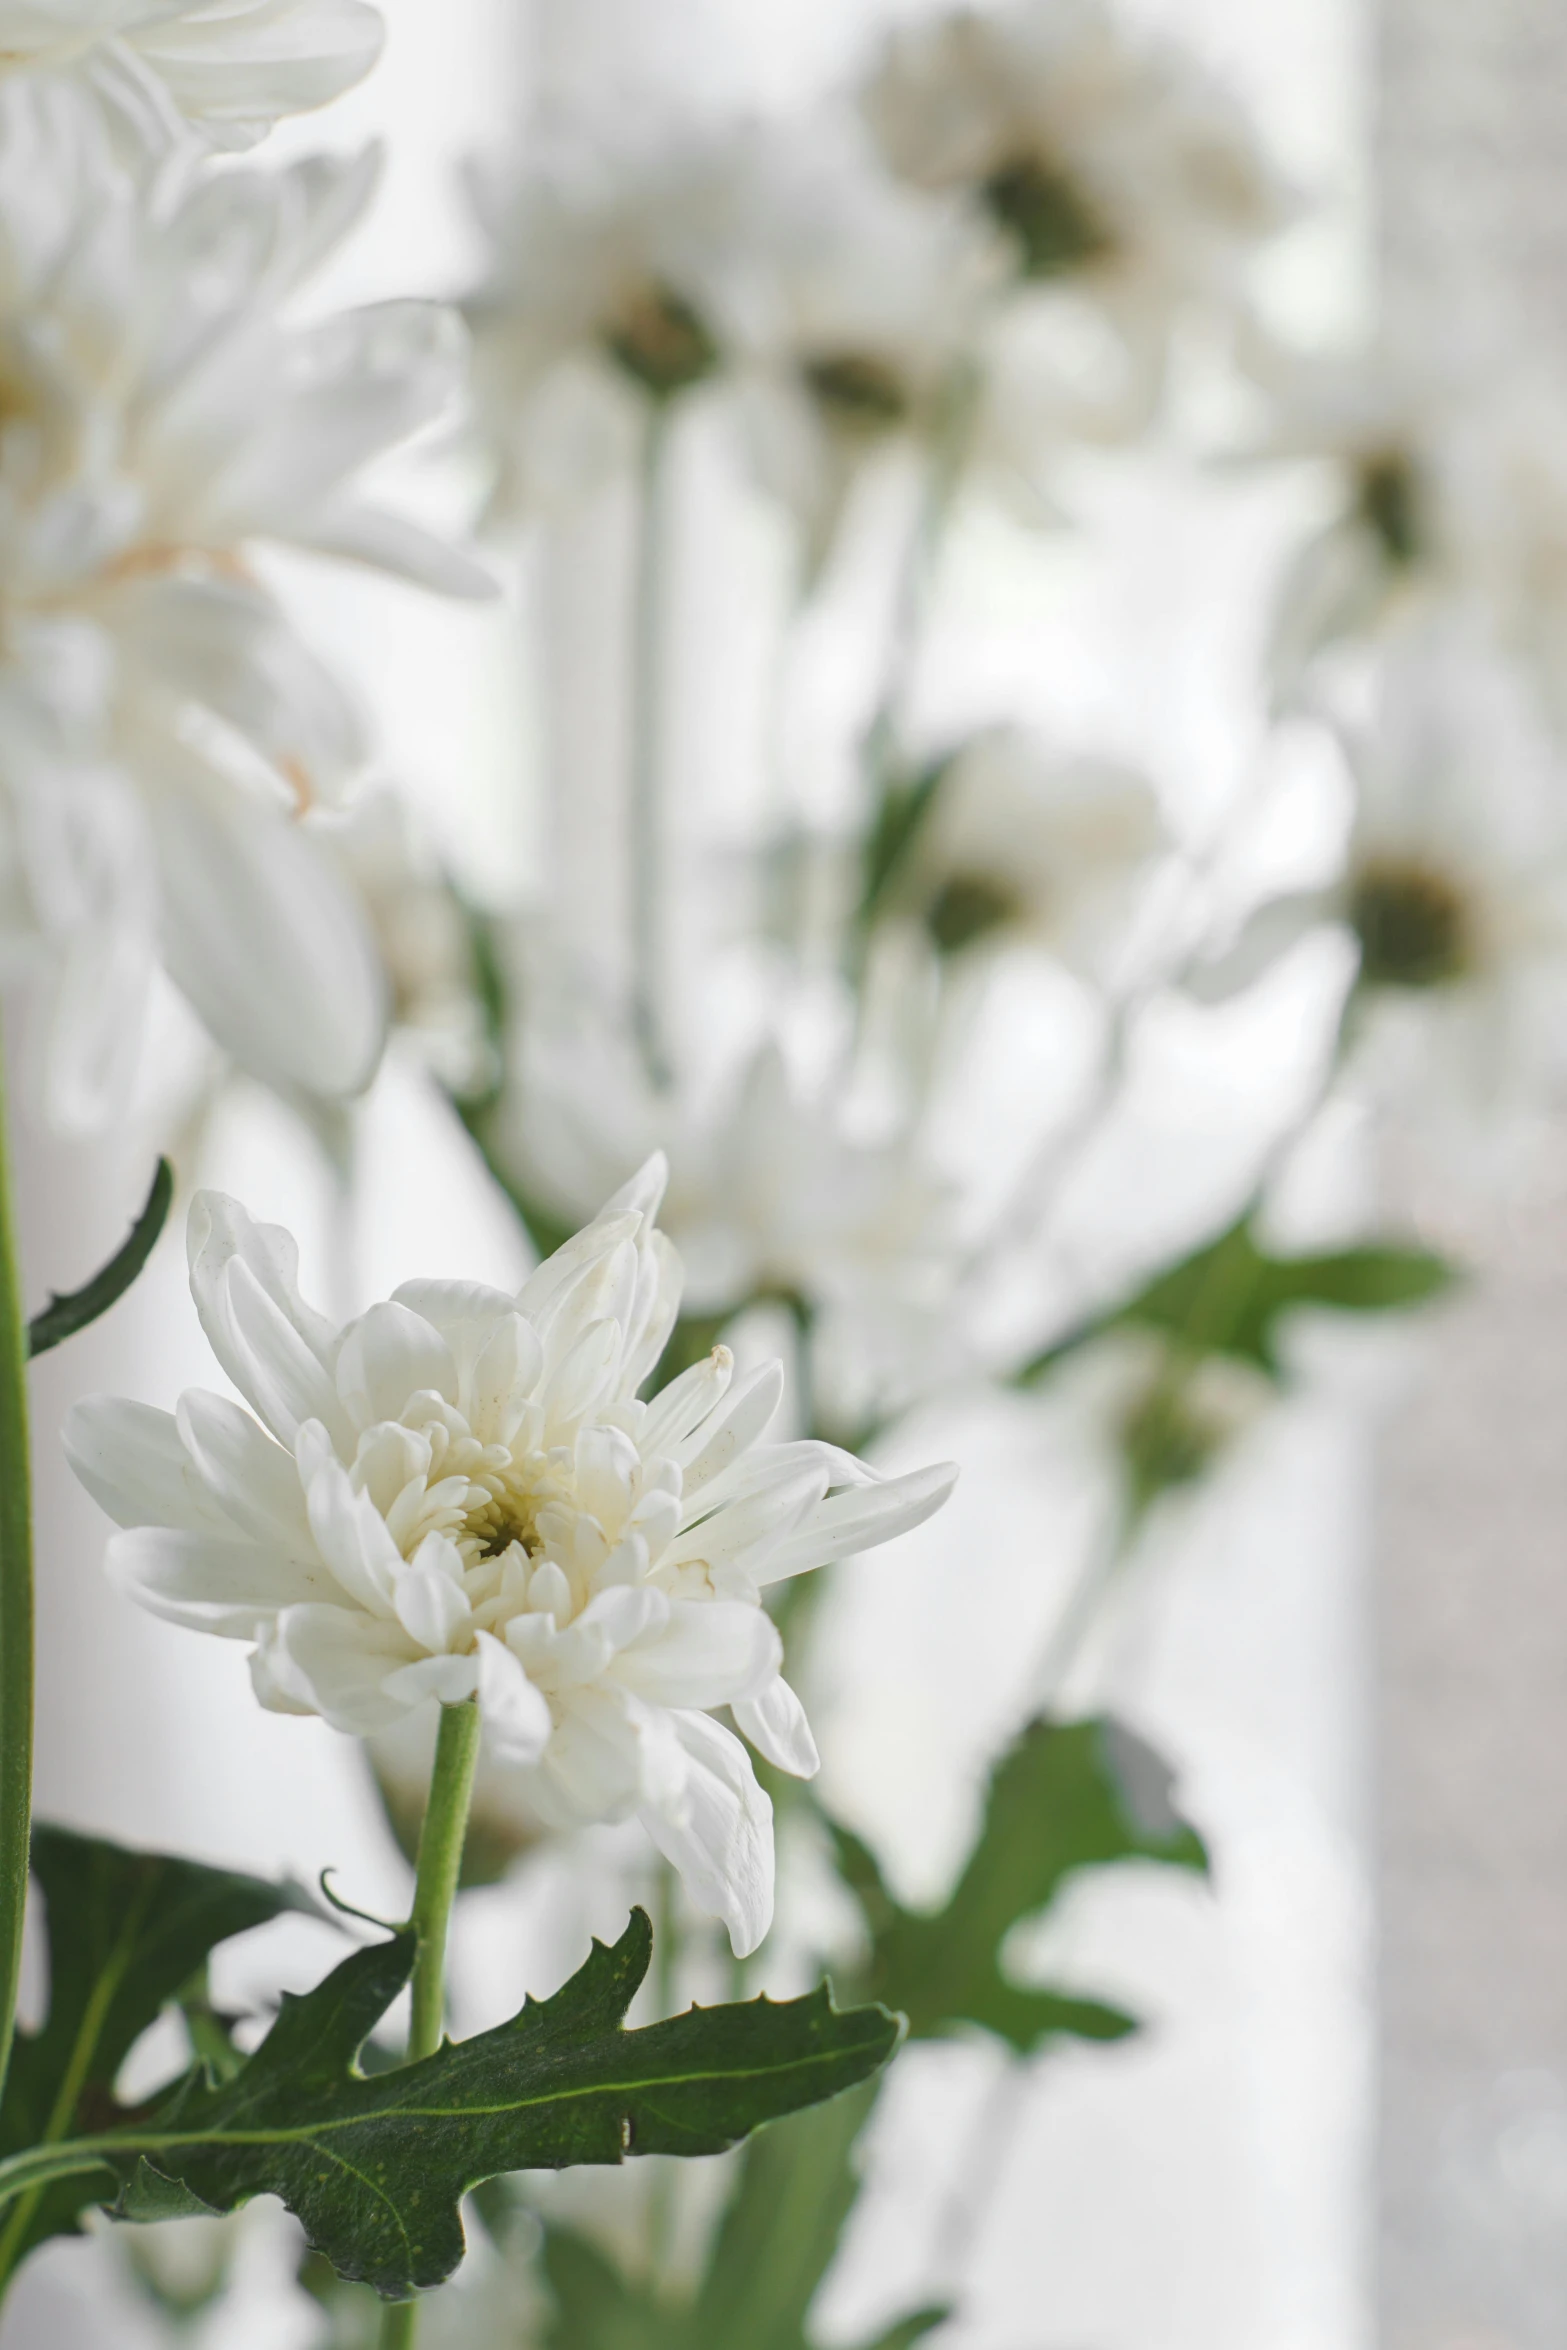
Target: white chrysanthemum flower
(160, 416)
(1453, 887)
(1019, 843)
(462, 1494)
(1107, 166)
(227, 69)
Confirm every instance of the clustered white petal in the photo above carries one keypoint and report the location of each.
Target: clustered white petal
(462, 1494)
(161, 412)
(227, 69)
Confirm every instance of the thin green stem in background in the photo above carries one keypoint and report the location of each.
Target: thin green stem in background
(16, 1617)
(646, 841)
(435, 1889)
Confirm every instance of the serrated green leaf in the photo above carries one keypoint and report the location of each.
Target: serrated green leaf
(1229, 1297)
(127, 1931)
(375, 2168)
(1067, 1796)
(62, 1317)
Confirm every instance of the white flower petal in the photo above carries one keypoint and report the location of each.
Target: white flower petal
(337, 1662)
(349, 1530)
(686, 1401)
(264, 935)
(229, 1587)
(254, 1479)
(450, 1679)
(579, 1379)
(643, 1194)
(268, 1360)
(719, 1835)
(775, 1723)
(517, 1717)
(236, 66)
(388, 542)
(1266, 937)
(217, 1231)
(717, 1445)
(429, 1598)
(743, 1533)
(388, 1356)
(708, 1652)
(132, 1462)
(592, 1768)
(861, 1518)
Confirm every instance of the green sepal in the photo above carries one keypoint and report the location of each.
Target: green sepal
(376, 2167)
(1067, 1796)
(127, 1932)
(62, 1317)
(1230, 1297)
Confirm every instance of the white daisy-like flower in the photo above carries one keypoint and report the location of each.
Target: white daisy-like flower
(462, 1494)
(608, 254)
(1109, 168)
(777, 1192)
(856, 320)
(421, 933)
(1019, 843)
(1384, 421)
(1453, 888)
(159, 418)
(770, 1192)
(225, 69)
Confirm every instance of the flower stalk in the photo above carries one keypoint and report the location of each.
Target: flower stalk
(439, 1866)
(16, 1617)
(647, 827)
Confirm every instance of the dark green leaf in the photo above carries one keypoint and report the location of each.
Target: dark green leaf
(127, 1932)
(1067, 1796)
(62, 1317)
(1230, 1296)
(375, 2167)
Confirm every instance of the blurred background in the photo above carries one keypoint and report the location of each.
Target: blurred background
(1309, 580)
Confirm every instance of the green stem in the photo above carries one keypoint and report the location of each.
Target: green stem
(16, 1618)
(646, 829)
(435, 1889)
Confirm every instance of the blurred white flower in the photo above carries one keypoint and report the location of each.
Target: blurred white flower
(159, 417)
(856, 319)
(769, 1195)
(1453, 887)
(1390, 421)
(1109, 169)
(420, 931)
(607, 256)
(227, 68)
(1016, 842)
(461, 1494)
